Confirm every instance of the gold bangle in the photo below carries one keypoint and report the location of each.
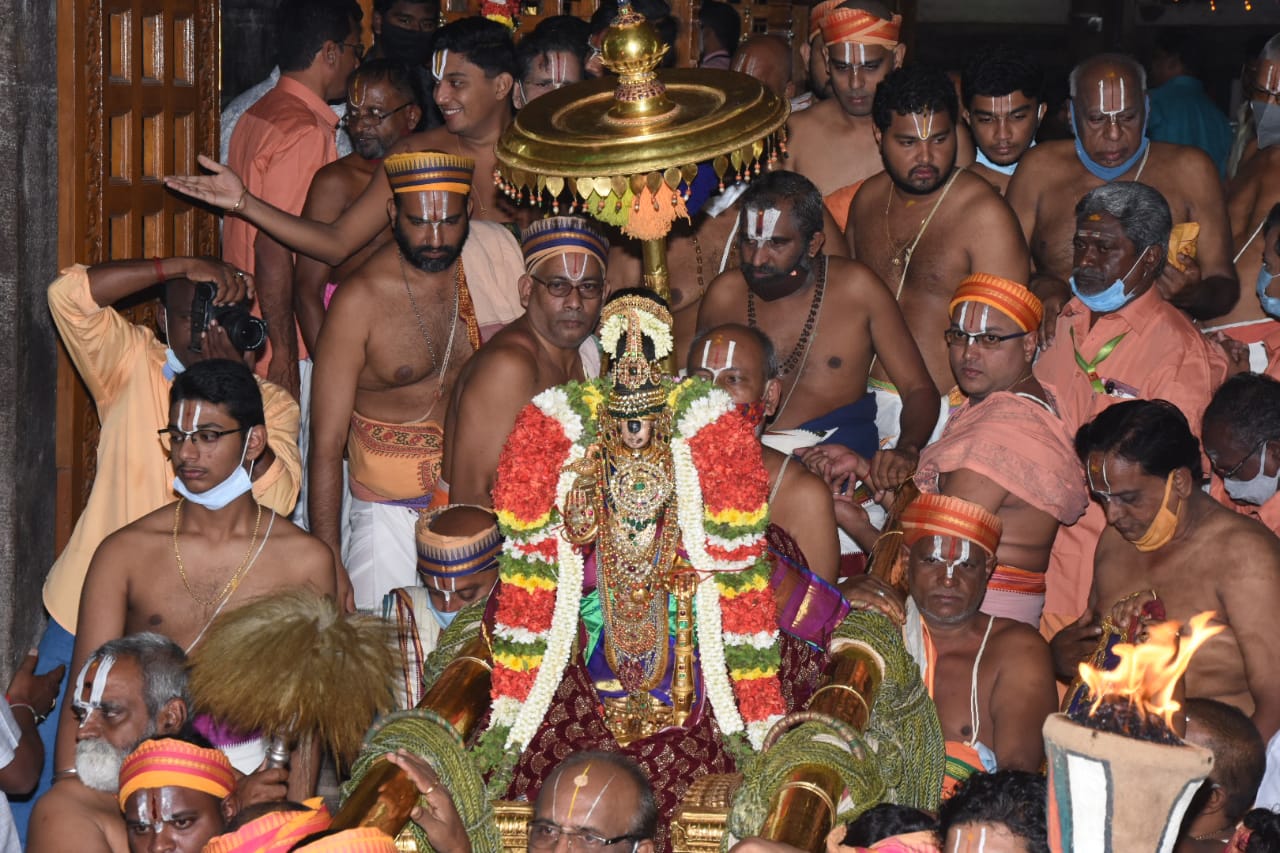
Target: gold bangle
(239, 205)
(861, 701)
(484, 663)
(822, 795)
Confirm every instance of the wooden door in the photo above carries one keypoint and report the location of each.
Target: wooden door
(138, 98)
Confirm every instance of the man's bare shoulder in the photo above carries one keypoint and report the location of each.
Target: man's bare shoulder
(986, 174)
(70, 816)
(339, 173)
(437, 138)
(1263, 166)
(381, 271)
(1047, 156)
(1014, 643)
(854, 279)
(140, 530)
(1235, 534)
(816, 118)
(1184, 158)
(509, 356)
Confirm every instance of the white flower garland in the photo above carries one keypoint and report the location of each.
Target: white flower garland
(612, 330)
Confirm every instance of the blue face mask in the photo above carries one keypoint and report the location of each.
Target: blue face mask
(443, 618)
(1110, 173)
(1270, 304)
(1112, 299)
(172, 365)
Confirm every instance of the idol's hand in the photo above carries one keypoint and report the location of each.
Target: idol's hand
(222, 189)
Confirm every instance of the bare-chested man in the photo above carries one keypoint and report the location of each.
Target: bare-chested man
(743, 362)
(1003, 96)
(1109, 112)
(475, 69)
(922, 225)
(1251, 195)
(813, 60)
(1006, 449)
(859, 46)
(397, 334)
(128, 690)
(991, 678)
(831, 317)
(175, 569)
(562, 290)
(383, 107)
(1167, 539)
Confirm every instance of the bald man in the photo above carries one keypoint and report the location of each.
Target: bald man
(768, 59)
(1109, 112)
(597, 799)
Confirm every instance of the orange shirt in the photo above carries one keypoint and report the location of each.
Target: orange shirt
(276, 149)
(123, 367)
(1161, 356)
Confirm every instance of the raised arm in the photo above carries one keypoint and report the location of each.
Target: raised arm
(332, 242)
(1208, 288)
(324, 204)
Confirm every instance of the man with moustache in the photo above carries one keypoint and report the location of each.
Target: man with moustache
(383, 107)
(922, 225)
(1003, 94)
(396, 337)
(127, 691)
(1109, 113)
(830, 317)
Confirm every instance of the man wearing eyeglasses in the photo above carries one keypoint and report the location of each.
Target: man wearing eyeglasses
(278, 145)
(550, 344)
(178, 567)
(127, 371)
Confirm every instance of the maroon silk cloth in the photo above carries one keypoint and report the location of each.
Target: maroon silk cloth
(674, 757)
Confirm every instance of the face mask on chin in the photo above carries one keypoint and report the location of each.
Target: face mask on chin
(1164, 525)
(1112, 299)
(1259, 489)
(1270, 304)
(237, 483)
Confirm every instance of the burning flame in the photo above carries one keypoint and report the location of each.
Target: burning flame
(1148, 674)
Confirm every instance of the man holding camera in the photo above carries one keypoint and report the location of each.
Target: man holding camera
(128, 371)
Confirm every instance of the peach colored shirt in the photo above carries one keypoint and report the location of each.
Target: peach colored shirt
(122, 365)
(1162, 356)
(276, 149)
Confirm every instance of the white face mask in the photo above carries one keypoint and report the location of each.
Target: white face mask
(1258, 490)
(238, 482)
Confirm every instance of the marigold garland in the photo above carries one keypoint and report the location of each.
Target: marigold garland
(722, 491)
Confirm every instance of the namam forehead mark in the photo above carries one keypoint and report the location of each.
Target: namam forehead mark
(951, 551)
(1001, 106)
(96, 685)
(574, 266)
(438, 62)
(761, 223)
(556, 64)
(853, 53)
(924, 123)
(981, 313)
(1097, 473)
(1267, 76)
(717, 355)
(1113, 93)
(156, 807)
(438, 206)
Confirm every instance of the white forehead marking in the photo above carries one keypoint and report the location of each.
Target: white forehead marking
(937, 548)
(761, 222)
(1102, 100)
(852, 52)
(982, 840)
(600, 796)
(1005, 103)
(923, 123)
(437, 64)
(99, 685)
(144, 809)
(962, 557)
(706, 360)
(558, 68)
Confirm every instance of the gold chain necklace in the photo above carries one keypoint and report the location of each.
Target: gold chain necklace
(238, 575)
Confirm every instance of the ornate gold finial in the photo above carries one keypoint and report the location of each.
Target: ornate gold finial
(632, 50)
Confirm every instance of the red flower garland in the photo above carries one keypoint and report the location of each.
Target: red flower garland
(717, 451)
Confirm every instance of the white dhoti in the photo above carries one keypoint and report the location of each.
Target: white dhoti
(889, 413)
(381, 552)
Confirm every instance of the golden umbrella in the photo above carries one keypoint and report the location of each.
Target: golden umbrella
(625, 151)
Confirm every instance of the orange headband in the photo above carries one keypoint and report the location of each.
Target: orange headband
(364, 839)
(1008, 297)
(818, 13)
(274, 832)
(178, 764)
(940, 515)
(856, 25)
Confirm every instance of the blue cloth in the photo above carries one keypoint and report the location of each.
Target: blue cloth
(1182, 113)
(55, 648)
(854, 425)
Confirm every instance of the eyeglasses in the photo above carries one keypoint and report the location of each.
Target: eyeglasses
(357, 49)
(986, 340)
(543, 835)
(354, 117)
(1231, 474)
(559, 288)
(203, 439)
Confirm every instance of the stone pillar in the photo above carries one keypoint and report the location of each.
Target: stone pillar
(28, 262)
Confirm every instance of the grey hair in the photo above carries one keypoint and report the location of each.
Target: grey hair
(645, 825)
(1271, 50)
(162, 662)
(1125, 61)
(1143, 213)
(771, 369)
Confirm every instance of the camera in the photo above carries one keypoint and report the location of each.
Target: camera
(246, 331)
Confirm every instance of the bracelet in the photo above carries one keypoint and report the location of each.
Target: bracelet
(39, 718)
(69, 773)
(161, 278)
(239, 205)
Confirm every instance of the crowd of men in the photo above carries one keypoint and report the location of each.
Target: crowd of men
(1047, 337)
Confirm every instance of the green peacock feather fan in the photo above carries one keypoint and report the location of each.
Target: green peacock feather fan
(290, 664)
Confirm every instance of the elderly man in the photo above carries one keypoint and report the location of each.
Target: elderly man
(1003, 94)
(172, 793)
(1239, 760)
(1241, 436)
(743, 362)
(1144, 468)
(561, 290)
(1109, 113)
(767, 58)
(1118, 339)
(922, 225)
(1005, 449)
(398, 334)
(840, 317)
(991, 678)
(1252, 196)
(597, 799)
(129, 689)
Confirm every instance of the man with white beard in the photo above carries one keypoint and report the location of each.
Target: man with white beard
(130, 689)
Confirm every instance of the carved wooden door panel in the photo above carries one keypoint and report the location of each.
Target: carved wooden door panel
(138, 99)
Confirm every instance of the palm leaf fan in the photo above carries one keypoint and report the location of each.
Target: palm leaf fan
(291, 664)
